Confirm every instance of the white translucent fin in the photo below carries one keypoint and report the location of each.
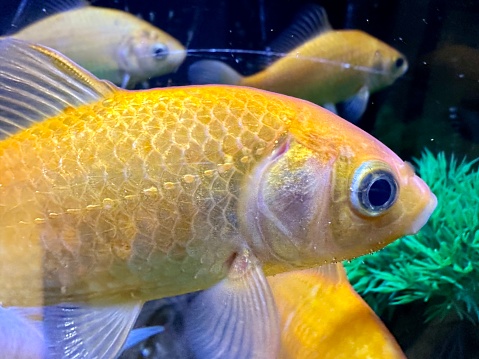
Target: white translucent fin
(20, 334)
(354, 107)
(212, 72)
(80, 331)
(310, 22)
(236, 318)
(30, 11)
(37, 83)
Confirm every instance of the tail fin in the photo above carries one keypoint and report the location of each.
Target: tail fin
(213, 72)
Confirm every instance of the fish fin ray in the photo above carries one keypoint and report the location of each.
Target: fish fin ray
(354, 107)
(30, 11)
(37, 83)
(213, 72)
(237, 318)
(311, 21)
(81, 331)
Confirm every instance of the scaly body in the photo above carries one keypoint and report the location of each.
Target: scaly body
(110, 193)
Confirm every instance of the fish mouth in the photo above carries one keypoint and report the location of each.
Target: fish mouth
(424, 215)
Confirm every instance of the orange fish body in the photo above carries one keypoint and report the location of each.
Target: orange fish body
(323, 317)
(110, 198)
(331, 67)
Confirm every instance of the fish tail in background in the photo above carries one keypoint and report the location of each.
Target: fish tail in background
(213, 72)
(20, 337)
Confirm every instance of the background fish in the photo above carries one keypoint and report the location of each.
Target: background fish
(110, 198)
(323, 317)
(112, 44)
(321, 65)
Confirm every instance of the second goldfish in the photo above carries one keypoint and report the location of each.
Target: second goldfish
(112, 44)
(319, 64)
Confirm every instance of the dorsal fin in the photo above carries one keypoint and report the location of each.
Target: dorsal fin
(30, 11)
(37, 83)
(311, 21)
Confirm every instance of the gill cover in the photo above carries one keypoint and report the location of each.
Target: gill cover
(288, 193)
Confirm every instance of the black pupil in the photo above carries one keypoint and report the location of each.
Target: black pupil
(399, 62)
(379, 192)
(158, 52)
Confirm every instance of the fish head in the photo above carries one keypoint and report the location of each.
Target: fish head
(386, 63)
(331, 192)
(149, 53)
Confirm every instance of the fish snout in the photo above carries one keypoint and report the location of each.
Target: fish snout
(427, 201)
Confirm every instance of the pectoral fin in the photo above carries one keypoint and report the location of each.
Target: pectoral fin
(80, 331)
(354, 107)
(236, 318)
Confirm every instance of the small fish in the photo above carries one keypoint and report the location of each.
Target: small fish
(112, 44)
(321, 65)
(323, 317)
(110, 198)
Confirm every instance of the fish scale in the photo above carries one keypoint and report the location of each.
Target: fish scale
(97, 194)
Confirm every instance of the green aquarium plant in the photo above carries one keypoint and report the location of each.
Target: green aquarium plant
(438, 267)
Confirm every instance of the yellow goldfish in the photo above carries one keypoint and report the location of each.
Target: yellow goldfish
(323, 317)
(110, 198)
(325, 66)
(114, 45)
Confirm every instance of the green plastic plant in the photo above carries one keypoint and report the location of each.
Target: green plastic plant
(440, 264)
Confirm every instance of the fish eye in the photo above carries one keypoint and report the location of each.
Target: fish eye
(399, 62)
(374, 189)
(159, 51)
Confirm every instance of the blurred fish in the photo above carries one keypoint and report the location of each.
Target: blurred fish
(321, 65)
(110, 198)
(112, 44)
(323, 317)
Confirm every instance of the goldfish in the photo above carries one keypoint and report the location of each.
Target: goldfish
(112, 44)
(110, 198)
(319, 64)
(323, 317)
